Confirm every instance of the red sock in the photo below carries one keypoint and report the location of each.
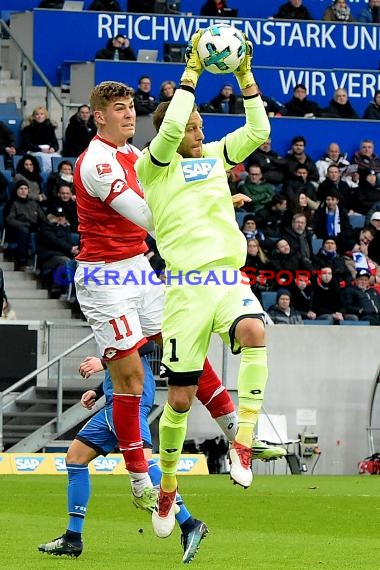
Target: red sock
(213, 394)
(126, 420)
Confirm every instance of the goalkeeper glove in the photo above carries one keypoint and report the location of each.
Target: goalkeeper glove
(193, 63)
(243, 73)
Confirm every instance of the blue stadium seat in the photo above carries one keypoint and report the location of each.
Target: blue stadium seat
(9, 110)
(268, 298)
(355, 323)
(316, 244)
(315, 322)
(240, 217)
(56, 160)
(357, 221)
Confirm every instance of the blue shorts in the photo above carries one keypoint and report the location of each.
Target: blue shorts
(99, 433)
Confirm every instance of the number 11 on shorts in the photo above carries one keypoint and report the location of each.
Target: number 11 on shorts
(120, 327)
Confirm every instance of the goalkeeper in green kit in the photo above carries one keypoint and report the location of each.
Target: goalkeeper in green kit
(186, 188)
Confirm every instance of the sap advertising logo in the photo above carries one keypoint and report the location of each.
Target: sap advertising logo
(197, 169)
(102, 464)
(60, 464)
(186, 465)
(28, 463)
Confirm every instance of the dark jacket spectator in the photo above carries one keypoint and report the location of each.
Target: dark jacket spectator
(340, 107)
(273, 166)
(64, 175)
(79, 132)
(65, 201)
(145, 103)
(284, 259)
(326, 296)
(213, 8)
(362, 300)
(105, 6)
(297, 156)
(299, 240)
(372, 112)
(117, 48)
(293, 10)
(329, 257)
(282, 313)
(224, 102)
(7, 144)
(300, 106)
(28, 168)
(366, 158)
(368, 191)
(299, 183)
(270, 218)
(371, 13)
(330, 219)
(38, 131)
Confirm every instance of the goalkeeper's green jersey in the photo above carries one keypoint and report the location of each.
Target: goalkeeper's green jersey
(190, 199)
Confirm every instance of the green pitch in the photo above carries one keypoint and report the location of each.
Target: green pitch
(298, 522)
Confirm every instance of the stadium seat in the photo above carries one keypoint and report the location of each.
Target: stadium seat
(268, 298)
(355, 323)
(357, 221)
(316, 244)
(9, 110)
(56, 161)
(316, 322)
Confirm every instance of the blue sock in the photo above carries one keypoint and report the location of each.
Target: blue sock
(155, 475)
(78, 495)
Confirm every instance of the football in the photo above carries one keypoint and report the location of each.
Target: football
(221, 48)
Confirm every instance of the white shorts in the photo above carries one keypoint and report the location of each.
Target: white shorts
(122, 301)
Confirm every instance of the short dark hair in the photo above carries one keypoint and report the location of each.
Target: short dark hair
(298, 138)
(300, 86)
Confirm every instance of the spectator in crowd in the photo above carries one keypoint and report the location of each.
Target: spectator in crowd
(7, 144)
(273, 165)
(104, 6)
(56, 248)
(363, 300)
(256, 188)
(213, 8)
(356, 256)
(340, 107)
(371, 13)
(300, 105)
(117, 49)
(4, 185)
(64, 175)
(80, 130)
(339, 11)
(298, 183)
(330, 219)
(24, 217)
(368, 191)
(333, 182)
(328, 256)
(270, 219)
(224, 102)
(145, 103)
(297, 156)
(28, 169)
(38, 137)
(282, 313)
(326, 297)
(301, 292)
(374, 245)
(300, 204)
(65, 201)
(333, 156)
(7, 313)
(167, 90)
(273, 107)
(283, 258)
(255, 263)
(372, 112)
(299, 240)
(366, 158)
(51, 4)
(249, 228)
(293, 10)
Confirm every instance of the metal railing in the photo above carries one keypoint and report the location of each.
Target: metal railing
(33, 375)
(50, 89)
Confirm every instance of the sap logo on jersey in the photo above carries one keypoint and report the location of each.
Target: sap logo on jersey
(60, 464)
(103, 464)
(197, 169)
(28, 463)
(186, 465)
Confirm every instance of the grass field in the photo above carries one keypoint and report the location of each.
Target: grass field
(298, 522)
